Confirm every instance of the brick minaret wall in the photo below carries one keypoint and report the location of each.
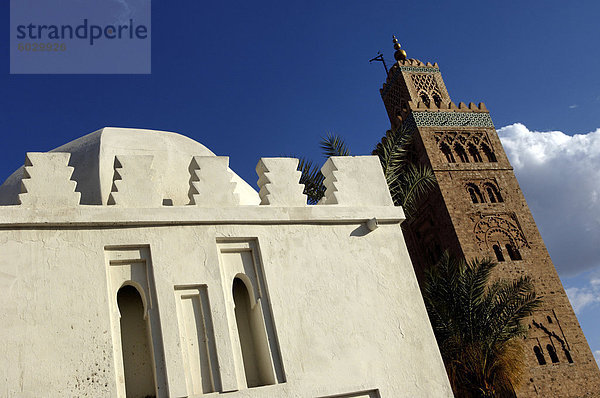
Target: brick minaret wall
(478, 210)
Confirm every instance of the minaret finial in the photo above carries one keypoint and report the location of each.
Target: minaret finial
(399, 55)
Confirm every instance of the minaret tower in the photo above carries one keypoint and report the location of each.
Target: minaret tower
(478, 210)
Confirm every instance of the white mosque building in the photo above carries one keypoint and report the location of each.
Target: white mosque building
(135, 263)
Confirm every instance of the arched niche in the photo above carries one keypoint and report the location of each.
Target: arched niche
(539, 355)
(249, 318)
(136, 344)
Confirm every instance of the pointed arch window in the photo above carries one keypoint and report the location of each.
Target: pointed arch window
(552, 353)
(568, 355)
(425, 98)
(475, 153)
(460, 151)
(513, 252)
(475, 193)
(493, 193)
(498, 252)
(448, 153)
(489, 154)
(539, 355)
(436, 99)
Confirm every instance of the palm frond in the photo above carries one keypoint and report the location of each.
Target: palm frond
(415, 182)
(478, 324)
(392, 152)
(334, 145)
(312, 178)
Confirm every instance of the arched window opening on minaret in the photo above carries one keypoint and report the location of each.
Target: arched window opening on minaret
(253, 338)
(493, 193)
(448, 153)
(513, 252)
(136, 343)
(552, 353)
(489, 154)
(437, 99)
(539, 355)
(568, 355)
(475, 153)
(498, 253)
(475, 193)
(425, 98)
(460, 151)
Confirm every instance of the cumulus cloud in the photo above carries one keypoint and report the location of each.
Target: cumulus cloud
(586, 294)
(560, 177)
(597, 356)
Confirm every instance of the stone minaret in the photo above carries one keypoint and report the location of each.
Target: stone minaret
(478, 210)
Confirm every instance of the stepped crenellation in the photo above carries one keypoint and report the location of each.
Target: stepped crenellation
(448, 106)
(138, 182)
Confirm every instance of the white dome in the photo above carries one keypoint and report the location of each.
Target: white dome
(93, 156)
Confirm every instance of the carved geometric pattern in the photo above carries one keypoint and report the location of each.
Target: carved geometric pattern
(470, 119)
(394, 95)
(419, 69)
(425, 83)
(464, 138)
(489, 227)
(479, 140)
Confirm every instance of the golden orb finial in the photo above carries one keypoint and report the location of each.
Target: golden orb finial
(399, 55)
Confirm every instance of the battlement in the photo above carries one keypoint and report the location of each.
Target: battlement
(448, 106)
(168, 178)
(416, 62)
(410, 65)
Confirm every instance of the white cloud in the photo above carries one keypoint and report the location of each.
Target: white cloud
(581, 297)
(560, 177)
(585, 292)
(597, 356)
(573, 106)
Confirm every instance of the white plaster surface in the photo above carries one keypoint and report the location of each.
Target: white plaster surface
(278, 179)
(346, 313)
(354, 181)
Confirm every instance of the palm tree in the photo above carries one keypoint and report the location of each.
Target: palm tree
(477, 324)
(408, 182)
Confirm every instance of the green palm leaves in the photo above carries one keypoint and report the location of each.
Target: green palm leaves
(408, 182)
(477, 323)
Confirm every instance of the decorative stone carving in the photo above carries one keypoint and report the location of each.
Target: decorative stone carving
(46, 181)
(134, 183)
(278, 182)
(211, 182)
(486, 190)
(355, 181)
(439, 118)
(488, 229)
(466, 142)
(425, 83)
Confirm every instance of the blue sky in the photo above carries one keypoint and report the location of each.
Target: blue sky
(252, 79)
